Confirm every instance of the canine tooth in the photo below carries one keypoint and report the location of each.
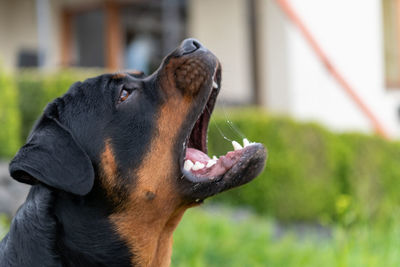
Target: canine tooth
(236, 145)
(215, 158)
(188, 165)
(246, 142)
(215, 85)
(210, 163)
(198, 166)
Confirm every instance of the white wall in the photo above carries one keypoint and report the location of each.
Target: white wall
(17, 30)
(272, 35)
(350, 32)
(221, 25)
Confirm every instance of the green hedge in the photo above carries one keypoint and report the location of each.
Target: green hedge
(311, 173)
(9, 116)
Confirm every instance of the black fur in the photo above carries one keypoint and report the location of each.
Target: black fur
(33, 234)
(65, 220)
(52, 144)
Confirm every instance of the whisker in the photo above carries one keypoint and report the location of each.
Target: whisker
(216, 125)
(232, 126)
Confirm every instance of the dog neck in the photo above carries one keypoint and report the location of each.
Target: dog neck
(53, 228)
(60, 229)
(87, 237)
(32, 232)
(150, 239)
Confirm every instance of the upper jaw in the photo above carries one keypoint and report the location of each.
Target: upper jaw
(211, 176)
(196, 136)
(196, 73)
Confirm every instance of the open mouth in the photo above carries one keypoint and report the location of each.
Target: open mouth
(198, 167)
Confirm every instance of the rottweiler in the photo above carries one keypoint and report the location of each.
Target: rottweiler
(115, 162)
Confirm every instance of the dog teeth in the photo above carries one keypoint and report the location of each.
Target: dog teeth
(198, 166)
(246, 142)
(236, 145)
(215, 158)
(215, 85)
(210, 163)
(188, 165)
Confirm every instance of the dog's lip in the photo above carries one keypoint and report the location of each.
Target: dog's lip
(232, 163)
(250, 163)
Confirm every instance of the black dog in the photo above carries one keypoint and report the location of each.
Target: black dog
(116, 161)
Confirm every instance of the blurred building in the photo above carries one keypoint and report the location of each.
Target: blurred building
(266, 60)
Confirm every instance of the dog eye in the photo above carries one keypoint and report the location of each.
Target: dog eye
(125, 93)
(123, 96)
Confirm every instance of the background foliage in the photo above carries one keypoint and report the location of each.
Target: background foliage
(312, 174)
(9, 116)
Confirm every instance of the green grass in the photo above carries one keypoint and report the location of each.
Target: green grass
(218, 239)
(224, 238)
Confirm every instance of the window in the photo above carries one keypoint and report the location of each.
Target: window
(89, 36)
(130, 34)
(28, 59)
(151, 29)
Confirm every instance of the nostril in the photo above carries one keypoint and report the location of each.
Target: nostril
(190, 45)
(196, 44)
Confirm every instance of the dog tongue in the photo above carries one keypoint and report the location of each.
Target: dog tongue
(223, 164)
(196, 155)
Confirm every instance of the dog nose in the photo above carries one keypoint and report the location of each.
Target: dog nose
(190, 45)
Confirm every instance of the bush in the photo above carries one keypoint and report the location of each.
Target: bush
(312, 174)
(373, 175)
(4, 225)
(9, 116)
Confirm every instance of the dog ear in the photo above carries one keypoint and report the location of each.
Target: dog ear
(53, 157)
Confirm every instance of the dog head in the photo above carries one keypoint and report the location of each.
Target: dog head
(136, 138)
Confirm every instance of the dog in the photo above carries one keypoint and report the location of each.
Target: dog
(115, 162)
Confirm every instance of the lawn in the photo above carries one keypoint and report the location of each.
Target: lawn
(224, 238)
(212, 236)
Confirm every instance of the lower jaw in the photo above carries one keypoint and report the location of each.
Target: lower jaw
(249, 165)
(208, 170)
(211, 169)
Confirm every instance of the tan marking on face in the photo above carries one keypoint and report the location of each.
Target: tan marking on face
(191, 75)
(135, 72)
(118, 75)
(109, 174)
(147, 226)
